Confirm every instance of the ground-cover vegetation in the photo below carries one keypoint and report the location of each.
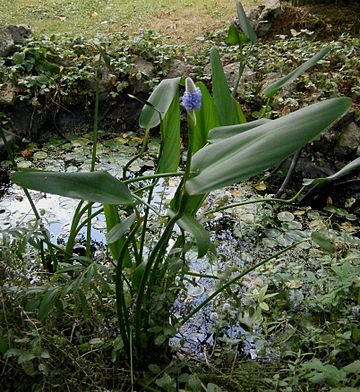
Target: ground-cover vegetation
(174, 20)
(299, 311)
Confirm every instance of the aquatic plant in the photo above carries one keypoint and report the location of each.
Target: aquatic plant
(148, 252)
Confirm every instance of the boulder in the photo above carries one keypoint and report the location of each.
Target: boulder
(12, 35)
(264, 15)
(348, 142)
(231, 72)
(7, 94)
(180, 68)
(142, 71)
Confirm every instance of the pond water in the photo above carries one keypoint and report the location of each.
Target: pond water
(56, 212)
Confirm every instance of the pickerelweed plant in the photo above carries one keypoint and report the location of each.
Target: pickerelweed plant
(222, 149)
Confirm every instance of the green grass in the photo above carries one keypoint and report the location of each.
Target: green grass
(180, 20)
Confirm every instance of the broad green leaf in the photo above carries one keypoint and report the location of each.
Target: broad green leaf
(161, 99)
(51, 67)
(271, 90)
(240, 115)
(325, 242)
(349, 168)
(47, 302)
(353, 368)
(221, 133)
(225, 108)
(114, 227)
(98, 187)
(242, 156)
(18, 58)
(170, 138)
(235, 37)
(245, 23)
(138, 275)
(118, 231)
(188, 223)
(206, 119)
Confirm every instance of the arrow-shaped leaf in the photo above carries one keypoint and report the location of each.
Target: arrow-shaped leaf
(239, 157)
(271, 90)
(161, 99)
(98, 187)
(188, 223)
(221, 133)
(245, 24)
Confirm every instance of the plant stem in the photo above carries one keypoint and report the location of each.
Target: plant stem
(153, 176)
(123, 317)
(94, 148)
(139, 155)
(235, 279)
(267, 200)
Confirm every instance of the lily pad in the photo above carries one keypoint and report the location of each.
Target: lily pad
(285, 216)
(40, 155)
(24, 164)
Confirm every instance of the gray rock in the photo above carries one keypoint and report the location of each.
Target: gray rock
(348, 142)
(7, 94)
(12, 35)
(141, 72)
(264, 15)
(284, 92)
(10, 139)
(231, 72)
(180, 68)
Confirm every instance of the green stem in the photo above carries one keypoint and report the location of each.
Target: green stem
(234, 280)
(123, 317)
(94, 148)
(140, 319)
(153, 176)
(267, 200)
(73, 229)
(147, 204)
(237, 82)
(139, 155)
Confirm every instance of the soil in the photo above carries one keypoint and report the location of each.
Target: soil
(327, 21)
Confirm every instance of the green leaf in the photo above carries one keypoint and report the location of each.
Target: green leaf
(98, 187)
(245, 23)
(206, 119)
(352, 368)
(271, 90)
(242, 156)
(226, 110)
(161, 99)
(47, 302)
(188, 223)
(115, 227)
(138, 275)
(18, 58)
(170, 138)
(51, 67)
(349, 168)
(325, 242)
(118, 231)
(235, 37)
(221, 133)
(240, 115)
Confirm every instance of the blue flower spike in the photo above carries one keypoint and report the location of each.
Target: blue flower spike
(191, 99)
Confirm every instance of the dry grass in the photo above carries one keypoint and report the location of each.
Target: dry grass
(178, 20)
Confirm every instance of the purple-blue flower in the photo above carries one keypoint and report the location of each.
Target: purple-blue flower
(191, 99)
